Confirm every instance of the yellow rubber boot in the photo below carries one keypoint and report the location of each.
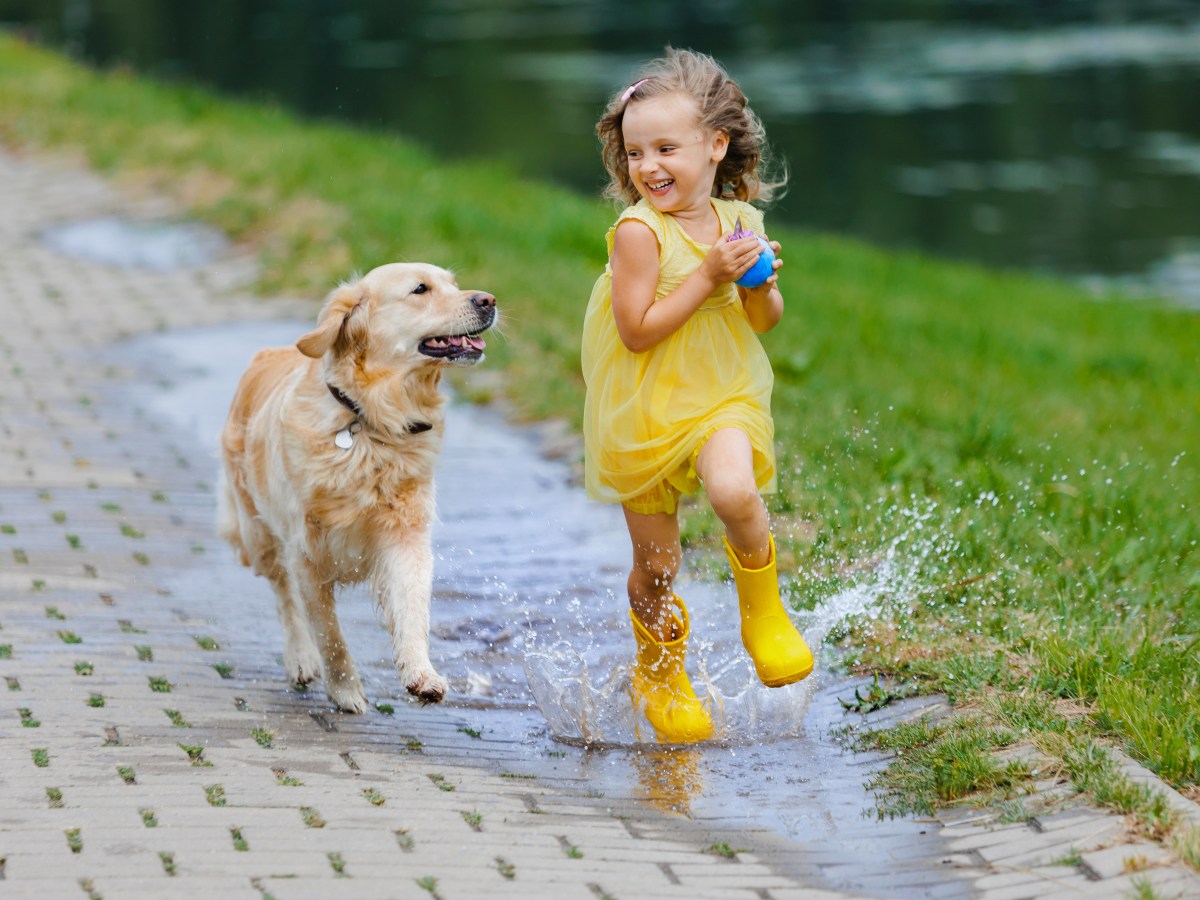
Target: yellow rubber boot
(779, 652)
(660, 683)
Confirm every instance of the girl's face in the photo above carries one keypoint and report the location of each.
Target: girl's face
(672, 159)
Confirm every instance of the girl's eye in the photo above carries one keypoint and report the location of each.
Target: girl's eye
(634, 154)
(420, 288)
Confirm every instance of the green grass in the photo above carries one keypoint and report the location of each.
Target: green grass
(941, 764)
(1022, 453)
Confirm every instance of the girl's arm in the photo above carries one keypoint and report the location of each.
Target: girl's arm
(641, 322)
(764, 304)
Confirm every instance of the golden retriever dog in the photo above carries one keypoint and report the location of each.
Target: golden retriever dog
(329, 454)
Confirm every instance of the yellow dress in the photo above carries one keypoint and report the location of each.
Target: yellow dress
(647, 414)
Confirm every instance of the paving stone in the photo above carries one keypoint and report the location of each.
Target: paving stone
(1124, 859)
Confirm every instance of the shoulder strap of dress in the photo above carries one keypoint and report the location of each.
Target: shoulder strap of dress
(642, 212)
(751, 216)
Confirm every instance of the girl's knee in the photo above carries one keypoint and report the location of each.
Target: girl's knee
(733, 497)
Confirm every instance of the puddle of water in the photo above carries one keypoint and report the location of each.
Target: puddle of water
(128, 244)
(530, 622)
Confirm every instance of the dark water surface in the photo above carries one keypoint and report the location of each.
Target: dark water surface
(1055, 136)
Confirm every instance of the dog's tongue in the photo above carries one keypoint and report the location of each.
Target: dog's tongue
(475, 342)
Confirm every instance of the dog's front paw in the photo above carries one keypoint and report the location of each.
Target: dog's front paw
(302, 667)
(347, 695)
(428, 686)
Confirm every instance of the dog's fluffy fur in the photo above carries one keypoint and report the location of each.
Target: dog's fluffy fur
(308, 514)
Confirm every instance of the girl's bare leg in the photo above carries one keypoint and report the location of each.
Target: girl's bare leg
(656, 558)
(726, 467)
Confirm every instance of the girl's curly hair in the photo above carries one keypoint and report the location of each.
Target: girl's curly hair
(743, 173)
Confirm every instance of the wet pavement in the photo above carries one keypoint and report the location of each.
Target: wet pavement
(149, 745)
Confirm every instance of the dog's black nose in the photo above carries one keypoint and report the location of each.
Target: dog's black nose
(483, 301)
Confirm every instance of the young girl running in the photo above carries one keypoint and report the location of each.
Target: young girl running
(678, 385)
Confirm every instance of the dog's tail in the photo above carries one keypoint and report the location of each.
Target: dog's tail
(229, 525)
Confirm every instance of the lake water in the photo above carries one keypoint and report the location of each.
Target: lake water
(1060, 137)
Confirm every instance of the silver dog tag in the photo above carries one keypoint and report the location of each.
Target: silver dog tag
(344, 439)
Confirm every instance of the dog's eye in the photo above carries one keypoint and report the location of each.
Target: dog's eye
(420, 288)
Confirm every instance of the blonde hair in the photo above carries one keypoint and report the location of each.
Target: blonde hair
(742, 174)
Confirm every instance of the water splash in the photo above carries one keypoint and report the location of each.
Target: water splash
(578, 668)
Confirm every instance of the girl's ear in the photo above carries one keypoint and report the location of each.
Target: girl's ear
(720, 146)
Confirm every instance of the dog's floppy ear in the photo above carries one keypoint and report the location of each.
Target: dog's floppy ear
(343, 323)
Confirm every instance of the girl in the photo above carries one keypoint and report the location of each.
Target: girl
(678, 385)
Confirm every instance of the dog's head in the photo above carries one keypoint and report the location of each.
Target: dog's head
(403, 315)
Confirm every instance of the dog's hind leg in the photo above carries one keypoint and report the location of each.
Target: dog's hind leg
(402, 583)
(342, 683)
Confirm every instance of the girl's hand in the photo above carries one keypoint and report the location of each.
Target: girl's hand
(764, 304)
(728, 260)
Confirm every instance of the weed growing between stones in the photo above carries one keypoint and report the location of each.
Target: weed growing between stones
(55, 796)
(84, 668)
(96, 701)
(74, 840)
(149, 819)
(127, 774)
(337, 863)
(723, 850)
(429, 883)
(215, 794)
(441, 782)
(144, 652)
(205, 643)
(14, 683)
(374, 797)
(283, 778)
(311, 817)
(473, 819)
(168, 861)
(27, 719)
(70, 637)
(225, 670)
(239, 842)
(264, 737)
(404, 840)
(41, 757)
(505, 868)
(160, 685)
(195, 753)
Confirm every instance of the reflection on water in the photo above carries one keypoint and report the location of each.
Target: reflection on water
(669, 780)
(1019, 133)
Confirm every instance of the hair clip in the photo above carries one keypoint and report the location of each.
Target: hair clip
(629, 90)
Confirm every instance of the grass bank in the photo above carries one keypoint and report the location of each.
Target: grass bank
(1023, 454)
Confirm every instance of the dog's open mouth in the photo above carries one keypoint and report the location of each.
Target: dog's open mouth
(453, 346)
